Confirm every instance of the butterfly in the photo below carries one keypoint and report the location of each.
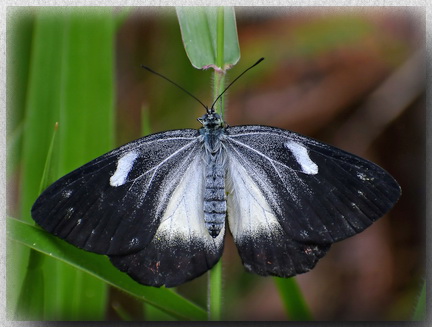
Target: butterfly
(159, 207)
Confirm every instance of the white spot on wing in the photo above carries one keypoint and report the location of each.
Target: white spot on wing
(124, 166)
(134, 242)
(69, 213)
(301, 155)
(363, 177)
(66, 193)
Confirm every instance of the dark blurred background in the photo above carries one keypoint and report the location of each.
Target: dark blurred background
(354, 78)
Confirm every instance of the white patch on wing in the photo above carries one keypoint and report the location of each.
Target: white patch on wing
(249, 213)
(67, 193)
(183, 219)
(301, 155)
(363, 177)
(124, 166)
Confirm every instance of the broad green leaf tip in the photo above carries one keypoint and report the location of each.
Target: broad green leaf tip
(200, 34)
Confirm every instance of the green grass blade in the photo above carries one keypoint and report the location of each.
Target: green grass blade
(71, 81)
(46, 179)
(152, 313)
(99, 266)
(420, 309)
(31, 307)
(215, 293)
(33, 160)
(198, 29)
(18, 37)
(295, 305)
(88, 81)
(43, 103)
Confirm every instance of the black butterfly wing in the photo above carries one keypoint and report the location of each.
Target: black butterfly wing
(291, 197)
(113, 204)
(141, 204)
(182, 247)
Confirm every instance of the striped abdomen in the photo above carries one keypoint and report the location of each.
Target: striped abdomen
(214, 194)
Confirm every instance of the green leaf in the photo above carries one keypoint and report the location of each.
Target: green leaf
(99, 266)
(199, 33)
(295, 305)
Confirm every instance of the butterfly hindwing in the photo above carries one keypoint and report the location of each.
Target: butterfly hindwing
(290, 197)
(114, 204)
(265, 248)
(182, 247)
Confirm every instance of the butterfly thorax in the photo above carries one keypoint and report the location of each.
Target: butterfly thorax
(212, 133)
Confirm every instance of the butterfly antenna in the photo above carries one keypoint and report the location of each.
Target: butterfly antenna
(172, 82)
(235, 79)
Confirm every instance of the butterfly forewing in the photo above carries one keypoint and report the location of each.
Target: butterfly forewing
(290, 197)
(115, 203)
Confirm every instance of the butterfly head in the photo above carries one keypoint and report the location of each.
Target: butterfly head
(211, 120)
